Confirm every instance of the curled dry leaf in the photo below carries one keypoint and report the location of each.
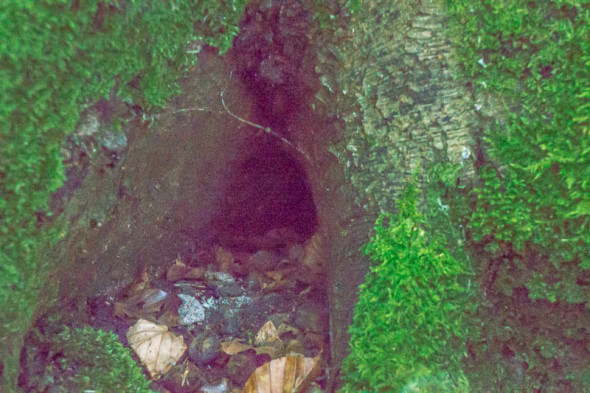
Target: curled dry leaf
(224, 259)
(277, 286)
(219, 388)
(157, 347)
(141, 282)
(179, 271)
(143, 303)
(267, 333)
(234, 347)
(313, 260)
(294, 346)
(286, 328)
(289, 374)
(267, 341)
(274, 349)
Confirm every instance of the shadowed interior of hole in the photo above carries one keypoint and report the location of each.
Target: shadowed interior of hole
(268, 189)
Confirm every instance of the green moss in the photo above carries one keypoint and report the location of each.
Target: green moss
(409, 320)
(530, 212)
(95, 360)
(534, 56)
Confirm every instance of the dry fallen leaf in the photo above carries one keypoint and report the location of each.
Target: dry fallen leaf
(224, 259)
(141, 282)
(294, 346)
(195, 273)
(157, 347)
(276, 286)
(170, 318)
(143, 303)
(313, 260)
(289, 374)
(266, 334)
(179, 271)
(234, 347)
(285, 328)
(274, 349)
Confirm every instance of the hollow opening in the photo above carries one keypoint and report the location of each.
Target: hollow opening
(267, 198)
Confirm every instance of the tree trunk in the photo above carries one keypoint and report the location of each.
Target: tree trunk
(405, 108)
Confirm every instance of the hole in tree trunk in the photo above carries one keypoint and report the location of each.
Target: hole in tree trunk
(267, 199)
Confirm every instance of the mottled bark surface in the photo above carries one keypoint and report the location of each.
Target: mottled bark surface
(404, 107)
(412, 109)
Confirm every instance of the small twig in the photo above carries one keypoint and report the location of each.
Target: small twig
(182, 111)
(266, 129)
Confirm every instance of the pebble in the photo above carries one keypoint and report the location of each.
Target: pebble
(264, 260)
(230, 290)
(241, 366)
(204, 349)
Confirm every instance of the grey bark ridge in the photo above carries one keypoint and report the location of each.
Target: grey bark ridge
(406, 108)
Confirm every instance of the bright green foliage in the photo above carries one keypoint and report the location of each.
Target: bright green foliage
(95, 360)
(531, 209)
(57, 57)
(409, 321)
(536, 57)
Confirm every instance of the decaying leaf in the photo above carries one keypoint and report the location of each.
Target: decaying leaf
(267, 341)
(274, 349)
(219, 388)
(313, 260)
(179, 271)
(286, 328)
(157, 347)
(289, 374)
(234, 347)
(267, 333)
(224, 259)
(141, 282)
(276, 286)
(294, 346)
(170, 318)
(143, 303)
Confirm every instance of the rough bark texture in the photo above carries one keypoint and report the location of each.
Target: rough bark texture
(413, 110)
(404, 108)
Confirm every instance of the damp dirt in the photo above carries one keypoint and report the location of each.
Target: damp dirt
(220, 169)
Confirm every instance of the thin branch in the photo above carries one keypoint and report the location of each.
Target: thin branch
(266, 129)
(157, 116)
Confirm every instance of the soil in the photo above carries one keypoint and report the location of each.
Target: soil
(258, 247)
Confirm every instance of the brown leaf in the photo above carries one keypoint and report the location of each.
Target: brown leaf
(121, 310)
(274, 349)
(286, 328)
(144, 303)
(141, 282)
(293, 347)
(234, 347)
(313, 260)
(177, 271)
(276, 286)
(289, 374)
(170, 318)
(224, 259)
(266, 334)
(195, 273)
(157, 347)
